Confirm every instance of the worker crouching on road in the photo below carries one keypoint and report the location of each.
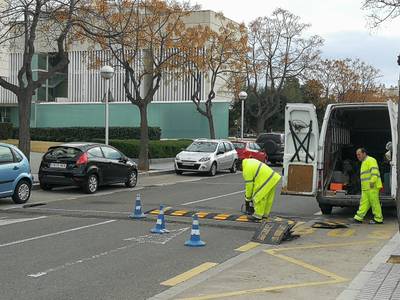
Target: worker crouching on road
(261, 182)
(370, 186)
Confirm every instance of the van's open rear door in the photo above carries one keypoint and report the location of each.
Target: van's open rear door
(301, 150)
(393, 108)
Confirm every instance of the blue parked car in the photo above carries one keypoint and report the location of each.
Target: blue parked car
(15, 174)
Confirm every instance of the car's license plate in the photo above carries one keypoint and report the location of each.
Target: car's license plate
(58, 166)
(189, 164)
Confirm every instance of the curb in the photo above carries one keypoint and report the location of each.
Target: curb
(359, 282)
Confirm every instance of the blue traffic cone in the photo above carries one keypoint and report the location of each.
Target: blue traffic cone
(160, 225)
(195, 240)
(137, 211)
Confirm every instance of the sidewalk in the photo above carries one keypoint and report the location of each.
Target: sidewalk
(380, 278)
(157, 166)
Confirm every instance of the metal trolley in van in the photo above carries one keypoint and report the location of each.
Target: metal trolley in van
(322, 163)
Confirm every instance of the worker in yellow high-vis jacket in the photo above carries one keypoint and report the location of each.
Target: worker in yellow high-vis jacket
(261, 182)
(370, 186)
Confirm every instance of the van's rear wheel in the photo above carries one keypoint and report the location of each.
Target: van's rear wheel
(326, 209)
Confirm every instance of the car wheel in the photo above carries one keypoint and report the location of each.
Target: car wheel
(45, 187)
(92, 184)
(22, 192)
(239, 165)
(213, 169)
(178, 172)
(234, 167)
(326, 209)
(131, 180)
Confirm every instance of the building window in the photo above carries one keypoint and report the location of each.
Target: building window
(5, 115)
(56, 86)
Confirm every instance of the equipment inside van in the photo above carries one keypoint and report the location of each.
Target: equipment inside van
(323, 163)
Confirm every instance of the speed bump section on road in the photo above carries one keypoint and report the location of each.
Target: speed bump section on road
(212, 215)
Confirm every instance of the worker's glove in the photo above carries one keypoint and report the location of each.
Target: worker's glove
(371, 185)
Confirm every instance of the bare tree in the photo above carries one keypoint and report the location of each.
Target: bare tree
(24, 24)
(279, 51)
(218, 54)
(381, 10)
(144, 38)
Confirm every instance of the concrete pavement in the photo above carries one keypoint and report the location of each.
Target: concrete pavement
(80, 246)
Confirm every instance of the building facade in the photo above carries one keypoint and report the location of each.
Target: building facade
(75, 96)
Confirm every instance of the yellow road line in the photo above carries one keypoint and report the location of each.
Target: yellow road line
(189, 274)
(261, 290)
(341, 232)
(247, 247)
(334, 278)
(333, 245)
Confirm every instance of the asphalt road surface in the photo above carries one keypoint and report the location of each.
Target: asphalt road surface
(68, 245)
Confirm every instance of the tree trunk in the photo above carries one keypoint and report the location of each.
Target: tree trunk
(24, 135)
(260, 124)
(210, 121)
(144, 139)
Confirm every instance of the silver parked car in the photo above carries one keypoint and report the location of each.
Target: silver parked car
(207, 156)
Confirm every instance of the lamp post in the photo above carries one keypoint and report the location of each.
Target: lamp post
(107, 72)
(242, 97)
(397, 152)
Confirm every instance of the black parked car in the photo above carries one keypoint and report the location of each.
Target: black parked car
(273, 144)
(86, 165)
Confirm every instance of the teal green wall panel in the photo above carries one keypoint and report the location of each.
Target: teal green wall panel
(177, 120)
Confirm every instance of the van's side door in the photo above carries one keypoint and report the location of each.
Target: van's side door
(300, 159)
(393, 110)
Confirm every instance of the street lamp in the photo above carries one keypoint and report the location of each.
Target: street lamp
(242, 97)
(107, 72)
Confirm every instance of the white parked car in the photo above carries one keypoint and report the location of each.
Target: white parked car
(207, 156)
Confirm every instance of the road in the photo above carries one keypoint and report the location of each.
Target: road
(67, 245)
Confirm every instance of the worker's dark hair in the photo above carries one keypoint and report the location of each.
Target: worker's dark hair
(363, 150)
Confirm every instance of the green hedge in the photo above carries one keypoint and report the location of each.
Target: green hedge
(6, 131)
(87, 134)
(157, 149)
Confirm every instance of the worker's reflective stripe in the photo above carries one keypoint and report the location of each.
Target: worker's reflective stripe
(248, 181)
(258, 171)
(374, 168)
(365, 179)
(365, 172)
(377, 175)
(264, 184)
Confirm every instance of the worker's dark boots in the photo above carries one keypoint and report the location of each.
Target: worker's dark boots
(249, 208)
(253, 218)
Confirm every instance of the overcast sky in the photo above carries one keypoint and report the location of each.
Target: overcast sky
(341, 23)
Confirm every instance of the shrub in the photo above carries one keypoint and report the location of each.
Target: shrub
(87, 134)
(6, 131)
(157, 149)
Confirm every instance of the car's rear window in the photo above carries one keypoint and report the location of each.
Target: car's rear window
(239, 145)
(277, 138)
(62, 152)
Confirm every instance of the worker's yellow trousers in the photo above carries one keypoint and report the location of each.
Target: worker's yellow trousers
(370, 199)
(263, 207)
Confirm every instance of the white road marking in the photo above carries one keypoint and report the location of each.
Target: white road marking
(157, 239)
(212, 198)
(13, 221)
(81, 210)
(54, 234)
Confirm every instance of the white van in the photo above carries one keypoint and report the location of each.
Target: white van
(323, 163)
